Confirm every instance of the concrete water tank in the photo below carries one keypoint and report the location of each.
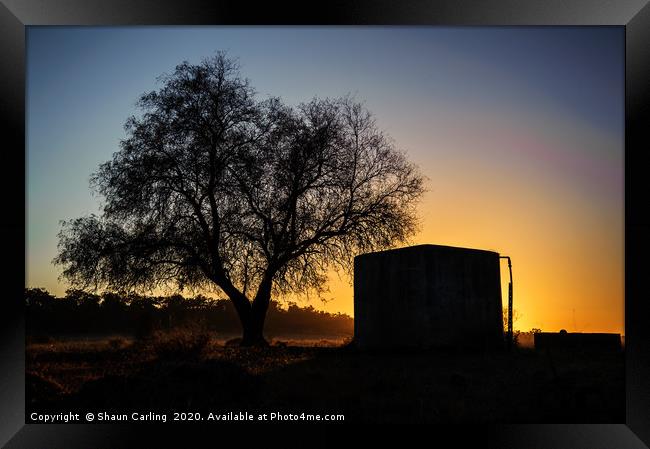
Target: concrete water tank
(428, 296)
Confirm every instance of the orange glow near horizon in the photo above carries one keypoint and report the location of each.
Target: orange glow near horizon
(567, 253)
(566, 249)
(557, 285)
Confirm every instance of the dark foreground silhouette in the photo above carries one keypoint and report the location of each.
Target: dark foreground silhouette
(193, 374)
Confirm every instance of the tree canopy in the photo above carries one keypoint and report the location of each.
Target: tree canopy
(213, 188)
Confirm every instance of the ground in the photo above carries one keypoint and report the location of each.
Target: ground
(322, 376)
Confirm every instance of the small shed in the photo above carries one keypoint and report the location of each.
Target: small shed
(428, 296)
(577, 341)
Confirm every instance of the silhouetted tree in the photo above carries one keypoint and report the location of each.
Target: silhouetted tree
(38, 298)
(212, 188)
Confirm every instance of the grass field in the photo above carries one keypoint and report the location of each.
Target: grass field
(202, 373)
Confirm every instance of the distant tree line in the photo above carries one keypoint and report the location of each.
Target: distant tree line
(81, 312)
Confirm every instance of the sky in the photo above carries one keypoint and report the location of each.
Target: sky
(520, 132)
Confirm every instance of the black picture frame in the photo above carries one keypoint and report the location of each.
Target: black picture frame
(15, 15)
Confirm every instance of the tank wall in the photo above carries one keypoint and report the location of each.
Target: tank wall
(427, 296)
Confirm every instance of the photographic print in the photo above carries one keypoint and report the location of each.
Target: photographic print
(356, 224)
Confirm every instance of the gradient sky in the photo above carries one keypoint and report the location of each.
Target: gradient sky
(519, 130)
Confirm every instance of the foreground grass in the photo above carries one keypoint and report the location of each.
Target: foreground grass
(177, 373)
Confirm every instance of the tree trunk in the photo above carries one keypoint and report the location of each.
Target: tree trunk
(251, 315)
(254, 326)
(253, 334)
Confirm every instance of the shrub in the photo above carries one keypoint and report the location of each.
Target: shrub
(117, 343)
(180, 345)
(41, 387)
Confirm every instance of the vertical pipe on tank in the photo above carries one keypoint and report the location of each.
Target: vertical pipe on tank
(509, 332)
